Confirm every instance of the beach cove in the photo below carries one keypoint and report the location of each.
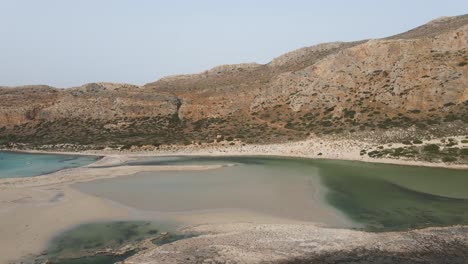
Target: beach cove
(299, 193)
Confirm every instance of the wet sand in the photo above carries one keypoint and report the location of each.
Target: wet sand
(244, 192)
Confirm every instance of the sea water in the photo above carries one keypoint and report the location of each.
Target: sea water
(15, 165)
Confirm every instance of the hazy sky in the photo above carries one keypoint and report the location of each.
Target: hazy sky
(68, 43)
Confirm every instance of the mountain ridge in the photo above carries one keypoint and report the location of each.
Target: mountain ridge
(375, 89)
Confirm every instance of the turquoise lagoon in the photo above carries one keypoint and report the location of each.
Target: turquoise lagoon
(16, 165)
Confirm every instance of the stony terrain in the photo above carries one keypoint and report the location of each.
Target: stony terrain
(288, 244)
(412, 86)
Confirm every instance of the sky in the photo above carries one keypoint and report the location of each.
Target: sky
(65, 43)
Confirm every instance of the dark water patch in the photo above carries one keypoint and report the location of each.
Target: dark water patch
(87, 239)
(383, 203)
(98, 259)
(107, 242)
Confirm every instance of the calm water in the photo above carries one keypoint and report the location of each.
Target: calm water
(73, 245)
(252, 188)
(374, 196)
(15, 165)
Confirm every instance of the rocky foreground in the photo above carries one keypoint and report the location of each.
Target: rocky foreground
(288, 244)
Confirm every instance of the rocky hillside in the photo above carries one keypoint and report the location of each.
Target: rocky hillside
(404, 87)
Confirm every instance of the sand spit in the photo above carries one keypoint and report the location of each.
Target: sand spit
(90, 173)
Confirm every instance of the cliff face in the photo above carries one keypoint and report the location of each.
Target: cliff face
(404, 77)
(416, 79)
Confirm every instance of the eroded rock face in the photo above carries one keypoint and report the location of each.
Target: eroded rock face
(107, 102)
(419, 77)
(395, 75)
(97, 111)
(97, 101)
(23, 104)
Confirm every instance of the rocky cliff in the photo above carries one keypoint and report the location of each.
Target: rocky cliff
(373, 89)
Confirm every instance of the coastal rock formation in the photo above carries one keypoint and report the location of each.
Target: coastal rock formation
(417, 79)
(288, 244)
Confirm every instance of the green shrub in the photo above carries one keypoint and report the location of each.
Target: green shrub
(449, 159)
(374, 154)
(326, 123)
(452, 143)
(421, 125)
(417, 141)
(431, 148)
(349, 113)
(449, 104)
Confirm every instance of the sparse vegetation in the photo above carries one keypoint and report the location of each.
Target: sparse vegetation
(431, 148)
(428, 152)
(448, 159)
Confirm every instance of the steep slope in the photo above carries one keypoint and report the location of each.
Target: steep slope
(386, 83)
(411, 85)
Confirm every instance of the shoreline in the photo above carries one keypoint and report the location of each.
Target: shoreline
(33, 195)
(49, 195)
(34, 209)
(315, 149)
(55, 203)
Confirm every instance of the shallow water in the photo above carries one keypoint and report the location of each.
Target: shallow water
(16, 165)
(99, 259)
(377, 196)
(388, 198)
(256, 189)
(78, 244)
